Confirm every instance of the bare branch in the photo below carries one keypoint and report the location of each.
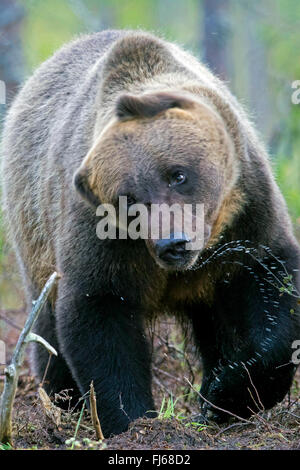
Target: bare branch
(13, 370)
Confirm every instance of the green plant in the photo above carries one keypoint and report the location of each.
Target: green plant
(73, 441)
(5, 447)
(167, 408)
(198, 426)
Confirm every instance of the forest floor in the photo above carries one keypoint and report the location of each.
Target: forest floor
(175, 428)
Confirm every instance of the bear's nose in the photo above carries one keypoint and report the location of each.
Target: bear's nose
(173, 248)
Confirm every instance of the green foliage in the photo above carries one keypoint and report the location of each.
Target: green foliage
(281, 35)
(5, 446)
(168, 411)
(47, 26)
(288, 178)
(198, 426)
(168, 407)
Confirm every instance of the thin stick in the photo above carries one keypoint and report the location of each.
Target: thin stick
(46, 370)
(94, 414)
(255, 389)
(260, 418)
(230, 427)
(251, 395)
(13, 370)
(215, 406)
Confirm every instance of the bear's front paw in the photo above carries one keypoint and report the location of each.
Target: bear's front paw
(227, 396)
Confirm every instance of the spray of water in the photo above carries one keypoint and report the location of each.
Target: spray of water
(276, 278)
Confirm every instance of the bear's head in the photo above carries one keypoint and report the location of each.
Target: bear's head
(161, 153)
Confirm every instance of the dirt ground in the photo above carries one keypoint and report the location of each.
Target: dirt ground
(176, 427)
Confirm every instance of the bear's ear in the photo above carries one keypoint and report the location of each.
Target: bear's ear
(149, 105)
(81, 183)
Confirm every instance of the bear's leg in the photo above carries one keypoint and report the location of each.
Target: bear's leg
(103, 340)
(245, 340)
(58, 376)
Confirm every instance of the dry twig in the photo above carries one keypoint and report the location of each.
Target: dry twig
(13, 370)
(215, 406)
(94, 414)
(261, 408)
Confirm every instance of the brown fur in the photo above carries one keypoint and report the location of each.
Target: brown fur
(180, 100)
(114, 114)
(192, 82)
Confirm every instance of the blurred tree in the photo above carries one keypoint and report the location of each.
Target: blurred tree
(11, 56)
(258, 74)
(216, 31)
(95, 15)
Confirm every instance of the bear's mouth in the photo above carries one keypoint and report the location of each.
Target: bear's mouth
(173, 253)
(178, 262)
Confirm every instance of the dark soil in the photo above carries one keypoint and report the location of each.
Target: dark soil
(176, 428)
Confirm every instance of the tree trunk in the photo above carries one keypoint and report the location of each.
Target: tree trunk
(216, 31)
(11, 56)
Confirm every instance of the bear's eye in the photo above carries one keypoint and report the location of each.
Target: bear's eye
(177, 178)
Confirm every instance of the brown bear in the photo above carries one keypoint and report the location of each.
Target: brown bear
(124, 113)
